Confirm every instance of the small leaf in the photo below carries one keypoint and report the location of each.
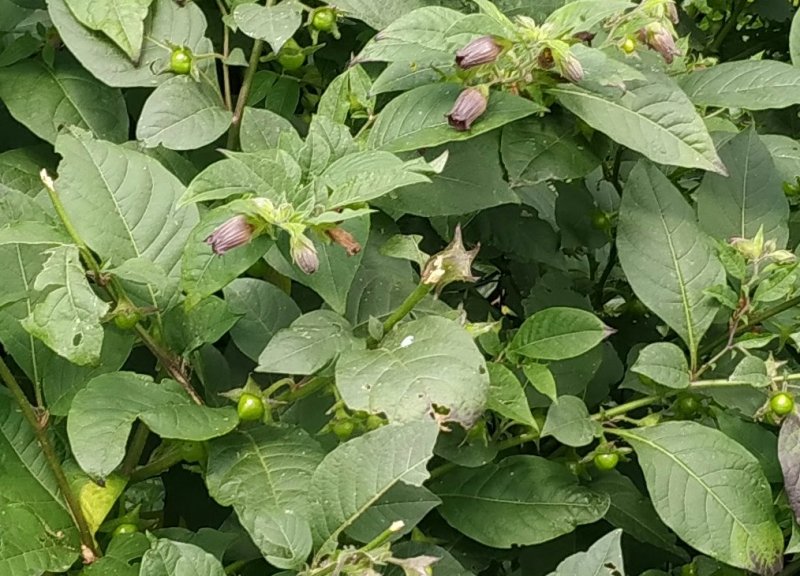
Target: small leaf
(507, 397)
(751, 371)
(558, 333)
(120, 20)
(789, 456)
(377, 16)
(168, 558)
(568, 422)
(523, 500)
(182, 114)
(542, 380)
(273, 24)
(404, 502)
(603, 557)
(664, 363)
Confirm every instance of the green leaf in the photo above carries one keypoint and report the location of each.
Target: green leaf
(664, 363)
(582, 15)
(67, 320)
(653, 117)
(507, 397)
(170, 22)
(168, 558)
(123, 205)
(749, 84)
(204, 272)
(182, 114)
(187, 329)
(264, 309)
(558, 333)
(760, 442)
(722, 506)
(325, 143)
(46, 99)
(377, 16)
(426, 362)
(404, 502)
(120, 20)
(311, 342)
(751, 196)
(271, 174)
(523, 500)
(794, 40)
(537, 149)
(472, 180)
(336, 270)
(265, 474)
(605, 555)
(541, 378)
(263, 130)
(446, 565)
(32, 510)
(665, 257)
(273, 24)
(568, 422)
(788, 449)
(104, 412)
(633, 512)
(416, 119)
(360, 472)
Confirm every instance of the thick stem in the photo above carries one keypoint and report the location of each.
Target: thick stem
(169, 364)
(135, 450)
(729, 26)
(623, 409)
(405, 308)
(244, 93)
(156, 467)
(226, 73)
(49, 453)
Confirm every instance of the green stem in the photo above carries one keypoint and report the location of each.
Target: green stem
(49, 453)
(226, 73)
(729, 26)
(136, 448)
(623, 409)
(405, 308)
(244, 93)
(234, 567)
(156, 467)
(169, 363)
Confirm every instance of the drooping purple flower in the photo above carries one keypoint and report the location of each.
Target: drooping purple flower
(469, 106)
(232, 233)
(483, 50)
(672, 12)
(571, 69)
(304, 254)
(658, 38)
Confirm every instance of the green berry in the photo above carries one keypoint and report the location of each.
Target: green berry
(126, 528)
(606, 461)
(374, 422)
(193, 451)
(629, 46)
(323, 19)
(343, 429)
(250, 408)
(180, 62)
(126, 317)
(291, 56)
(687, 406)
(781, 403)
(600, 220)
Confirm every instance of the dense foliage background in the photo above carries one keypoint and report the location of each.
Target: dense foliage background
(457, 287)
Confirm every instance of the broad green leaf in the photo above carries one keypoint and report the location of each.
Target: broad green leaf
(759, 441)
(358, 473)
(95, 501)
(168, 558)
(67, 320)
(264, 308)
(182, 114)
(32, 511)
(720, 505)
(426, 362)
(123, 205)
(664, 363)
(377, 16)
(522, 500)
(336, 270)
(33, 232)
(273, 24)
(110, 566)
(103, 413)
(568, 422)
(558, 333)
(271, 174)
(215, 542)
(169, 22)
(751, 197)
(308, 345)
(633, 512)
(604, 556)
(446, 565)
(653, 117)
(351, 88)
(405, 247)
(473, 179)
(541, 378)
(794, 40)
(325, 143)
(46, 99)
(187, 329)
(265, 474)
(417, 118)
(264, 130)
(749, 84)
(120, 20)
(204, 272)
(582, 15)
(788, 454)
(537, 149)
(507, 397)
(402, 502)
(666, 258)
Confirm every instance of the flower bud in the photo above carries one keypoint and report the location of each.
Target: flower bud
(453, 264)
(233, 232)
(483, 50)
(672, 12)
(658, 38)
(571, 69)
(304, 254)
(469, 106)
(344, 239)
